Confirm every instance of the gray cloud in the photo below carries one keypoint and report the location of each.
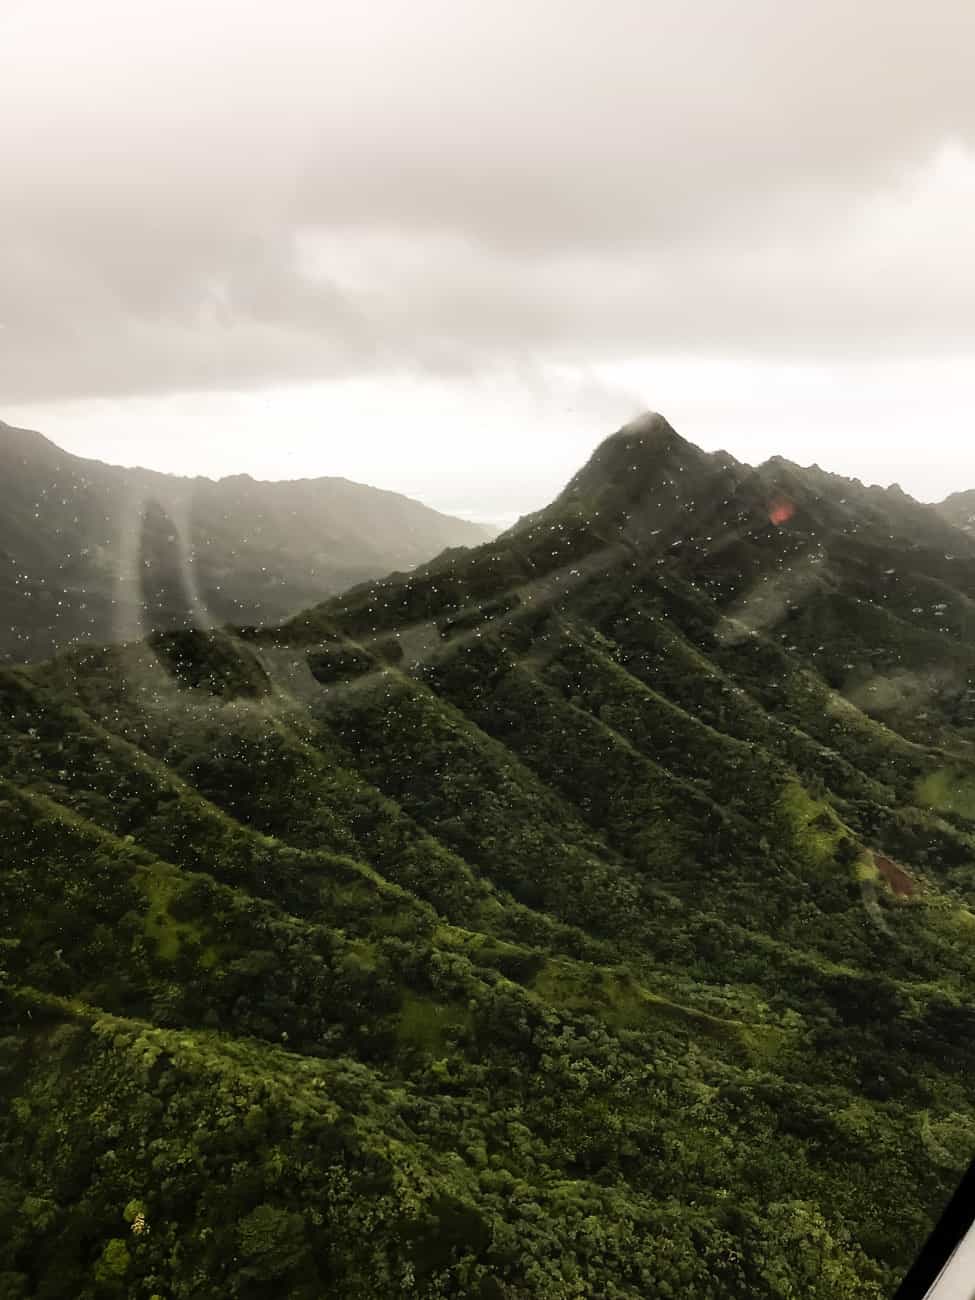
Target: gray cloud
(199, 197)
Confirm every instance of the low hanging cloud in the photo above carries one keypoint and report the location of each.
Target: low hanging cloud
(200, 197)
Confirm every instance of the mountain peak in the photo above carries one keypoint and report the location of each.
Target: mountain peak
(637, 445)
(650, 424)
(649, 436)
(643, 457)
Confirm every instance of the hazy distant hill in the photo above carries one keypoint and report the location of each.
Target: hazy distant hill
(95, 552)
(590, 914)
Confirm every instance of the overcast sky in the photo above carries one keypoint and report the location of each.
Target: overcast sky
(446, 246)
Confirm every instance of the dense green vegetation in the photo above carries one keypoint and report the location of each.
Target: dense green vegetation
(562, 920)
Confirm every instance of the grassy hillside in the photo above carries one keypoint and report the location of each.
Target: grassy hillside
(588, 915)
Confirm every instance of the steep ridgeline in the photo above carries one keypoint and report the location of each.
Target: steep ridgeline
(95, 553)
(591, 914)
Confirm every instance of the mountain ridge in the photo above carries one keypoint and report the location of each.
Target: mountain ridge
(657, 446)
(589, 913)
(165, 476)
(79, 538)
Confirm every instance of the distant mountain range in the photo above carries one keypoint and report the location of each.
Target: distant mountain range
(95, 552)
(590, 913)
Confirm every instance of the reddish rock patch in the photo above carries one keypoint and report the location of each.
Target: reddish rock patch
(900, 882)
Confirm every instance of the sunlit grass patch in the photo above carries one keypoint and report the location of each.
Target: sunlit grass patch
(426, 1025)
(812, 822)
(949, 790)
(169, 934)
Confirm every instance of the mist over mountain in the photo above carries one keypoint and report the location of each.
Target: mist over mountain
(97, 553)
(590, 913)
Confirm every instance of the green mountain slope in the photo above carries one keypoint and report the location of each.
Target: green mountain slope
(95, 553)
(591, 914)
